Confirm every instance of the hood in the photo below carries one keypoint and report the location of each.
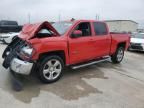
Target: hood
(29, 30)
(137, 40)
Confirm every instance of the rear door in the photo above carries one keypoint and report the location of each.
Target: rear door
(81, 48)
(101, 39)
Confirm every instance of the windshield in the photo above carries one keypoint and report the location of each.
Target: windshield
(62, 27)
(138, 36)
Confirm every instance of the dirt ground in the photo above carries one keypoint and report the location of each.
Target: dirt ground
(104, 85)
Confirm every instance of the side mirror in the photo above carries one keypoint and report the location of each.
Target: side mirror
(76, 34)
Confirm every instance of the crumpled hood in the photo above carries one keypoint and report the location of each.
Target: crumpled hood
(137, 40)
(29, 30)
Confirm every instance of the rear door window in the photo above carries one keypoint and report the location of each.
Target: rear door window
(100, 28)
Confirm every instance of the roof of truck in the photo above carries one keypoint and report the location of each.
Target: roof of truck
(84, 20)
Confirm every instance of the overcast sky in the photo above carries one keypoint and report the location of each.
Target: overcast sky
(50, 10)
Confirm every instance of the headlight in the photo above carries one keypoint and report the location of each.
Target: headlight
(26, 52)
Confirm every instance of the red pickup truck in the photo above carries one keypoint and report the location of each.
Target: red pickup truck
(47, 49)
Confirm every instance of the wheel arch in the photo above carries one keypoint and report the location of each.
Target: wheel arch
(59, 53)
(122, 44)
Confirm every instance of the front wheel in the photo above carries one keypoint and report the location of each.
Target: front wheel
(118, 56)
(51, 69)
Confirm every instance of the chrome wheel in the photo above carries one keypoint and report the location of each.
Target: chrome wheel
(52, 69)
(120, 54)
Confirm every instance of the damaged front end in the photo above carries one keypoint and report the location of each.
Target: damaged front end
(17, 56)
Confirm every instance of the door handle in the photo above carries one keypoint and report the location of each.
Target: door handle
(91, 40)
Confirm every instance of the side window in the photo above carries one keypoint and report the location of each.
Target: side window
(100, 28)
(85, 28)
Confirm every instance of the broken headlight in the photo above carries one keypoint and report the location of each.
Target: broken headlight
(26, 52)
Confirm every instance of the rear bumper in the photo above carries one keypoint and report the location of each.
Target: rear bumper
(21, 67)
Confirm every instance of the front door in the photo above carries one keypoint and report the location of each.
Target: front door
(81, 48)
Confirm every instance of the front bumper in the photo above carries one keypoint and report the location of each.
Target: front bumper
(21, 67)
(136, 47)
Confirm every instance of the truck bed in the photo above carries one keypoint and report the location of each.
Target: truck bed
(119, 38)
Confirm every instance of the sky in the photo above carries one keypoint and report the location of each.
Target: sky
(55, 10)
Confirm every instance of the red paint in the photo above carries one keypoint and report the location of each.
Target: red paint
(76, 49)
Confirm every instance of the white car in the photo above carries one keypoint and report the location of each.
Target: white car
(137, 42)
(8, 37)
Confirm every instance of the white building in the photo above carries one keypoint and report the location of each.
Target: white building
(122, 25)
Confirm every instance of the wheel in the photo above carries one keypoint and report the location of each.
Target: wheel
(51, 69)
(118, 56)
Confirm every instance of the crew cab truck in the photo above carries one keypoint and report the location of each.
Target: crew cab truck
(47, 49)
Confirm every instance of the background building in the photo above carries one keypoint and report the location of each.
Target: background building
(140, 30)
(122, 25)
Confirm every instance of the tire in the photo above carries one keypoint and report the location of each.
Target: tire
(118, 56)
(50, 69)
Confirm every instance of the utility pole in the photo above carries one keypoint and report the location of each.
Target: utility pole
(59, 17)
(97, 16)
(29, 18)
(8, 18)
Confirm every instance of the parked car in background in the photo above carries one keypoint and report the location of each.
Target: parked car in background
(8, 30)
(137, 42)
(9, 26)
(47, 49)
(8, 37)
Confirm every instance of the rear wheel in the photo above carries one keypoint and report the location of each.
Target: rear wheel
(118, 56)
(51, 69)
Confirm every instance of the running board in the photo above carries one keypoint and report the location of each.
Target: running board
(90, 63)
